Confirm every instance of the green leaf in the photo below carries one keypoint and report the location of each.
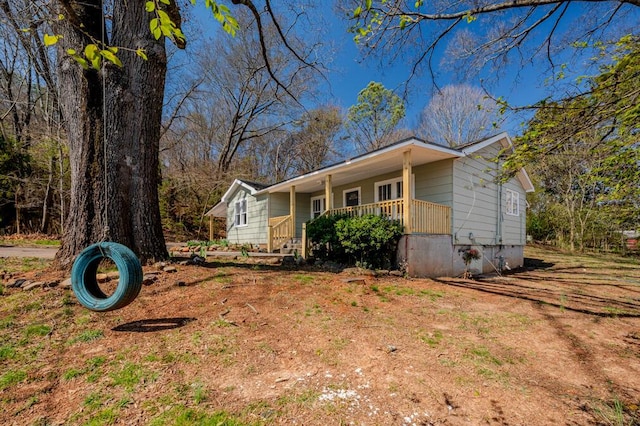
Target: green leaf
(111, 57)
(369, 3)
(164, 17)
(154, 24)
(142, 54)
(83, 62)
(357, 12)
(165, 1)
(150, 6)
(91, 51)
(50, 40)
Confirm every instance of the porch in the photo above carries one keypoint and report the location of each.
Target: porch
(421, 217)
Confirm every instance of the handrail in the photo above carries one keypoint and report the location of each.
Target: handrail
(275, 221)
(279, 232)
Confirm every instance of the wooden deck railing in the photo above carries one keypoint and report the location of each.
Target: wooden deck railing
(430, 218)
(278, 232)
(426, 217)
(391, 209)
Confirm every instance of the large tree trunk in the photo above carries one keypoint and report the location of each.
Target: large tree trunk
(117, 201)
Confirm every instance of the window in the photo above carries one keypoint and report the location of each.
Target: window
(317, 206)
(351, 197)
(241, 213)
(513, 203)
(388, 190)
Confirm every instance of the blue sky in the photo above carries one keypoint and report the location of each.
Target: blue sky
(349, 73)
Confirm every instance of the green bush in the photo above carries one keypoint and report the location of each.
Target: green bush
(369, 240)
(322, 233)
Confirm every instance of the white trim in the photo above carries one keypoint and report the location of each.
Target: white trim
(525, 181)
(512, 199)
(239, 213)
(376, 199)
(485, 143)
(394, 188)
(344, 195)
(323, 205)
(238, 183)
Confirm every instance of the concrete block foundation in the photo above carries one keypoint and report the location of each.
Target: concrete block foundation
(436, 256)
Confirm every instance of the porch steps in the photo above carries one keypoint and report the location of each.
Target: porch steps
(292, 246)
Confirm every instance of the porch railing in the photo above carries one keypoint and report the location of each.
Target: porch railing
(392, 209)
(278, 232)
(426, 217)
(430, 218)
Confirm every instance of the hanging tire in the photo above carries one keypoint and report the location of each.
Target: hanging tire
(85, 284)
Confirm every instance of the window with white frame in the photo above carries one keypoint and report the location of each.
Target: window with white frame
(388, 190)
(317, 206)
(392, 189)
(351, 197)
(513, 203)
(241, 213)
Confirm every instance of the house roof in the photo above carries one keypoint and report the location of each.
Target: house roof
(380, 161)
(389, 159)
(384, 160)
(220, 209)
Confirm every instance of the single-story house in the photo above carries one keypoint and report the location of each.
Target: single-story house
(449, 200)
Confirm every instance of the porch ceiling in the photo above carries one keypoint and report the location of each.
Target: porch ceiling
(367, 166)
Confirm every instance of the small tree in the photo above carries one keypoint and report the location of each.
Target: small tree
(372, 120)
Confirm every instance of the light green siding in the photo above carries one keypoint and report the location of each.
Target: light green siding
(303, 211)
(479, 202)
(514, 227)
(255, 232)
(279, 204)
(434, 182)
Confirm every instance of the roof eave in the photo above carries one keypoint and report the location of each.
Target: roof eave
(362, 158)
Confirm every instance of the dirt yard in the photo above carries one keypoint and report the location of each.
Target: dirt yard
(244, 344)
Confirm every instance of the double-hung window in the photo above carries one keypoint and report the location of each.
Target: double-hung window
(513, 203)
(388, 190)
(317, 206)
(241, 213)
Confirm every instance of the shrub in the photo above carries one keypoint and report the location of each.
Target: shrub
(322, 233)
(370, 240)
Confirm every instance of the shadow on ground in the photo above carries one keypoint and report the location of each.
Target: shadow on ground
(155, 324)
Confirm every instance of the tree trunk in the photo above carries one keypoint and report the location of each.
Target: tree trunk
(46, 201)
(117, 200)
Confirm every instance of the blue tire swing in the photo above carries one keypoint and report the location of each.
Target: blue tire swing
(84, 280)
(84, 271)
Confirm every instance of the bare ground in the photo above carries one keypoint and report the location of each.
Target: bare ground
(556, 343)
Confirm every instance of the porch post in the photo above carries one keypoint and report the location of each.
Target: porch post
(211, 228)
(328, 189)
(292, 209)
(406, 191)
